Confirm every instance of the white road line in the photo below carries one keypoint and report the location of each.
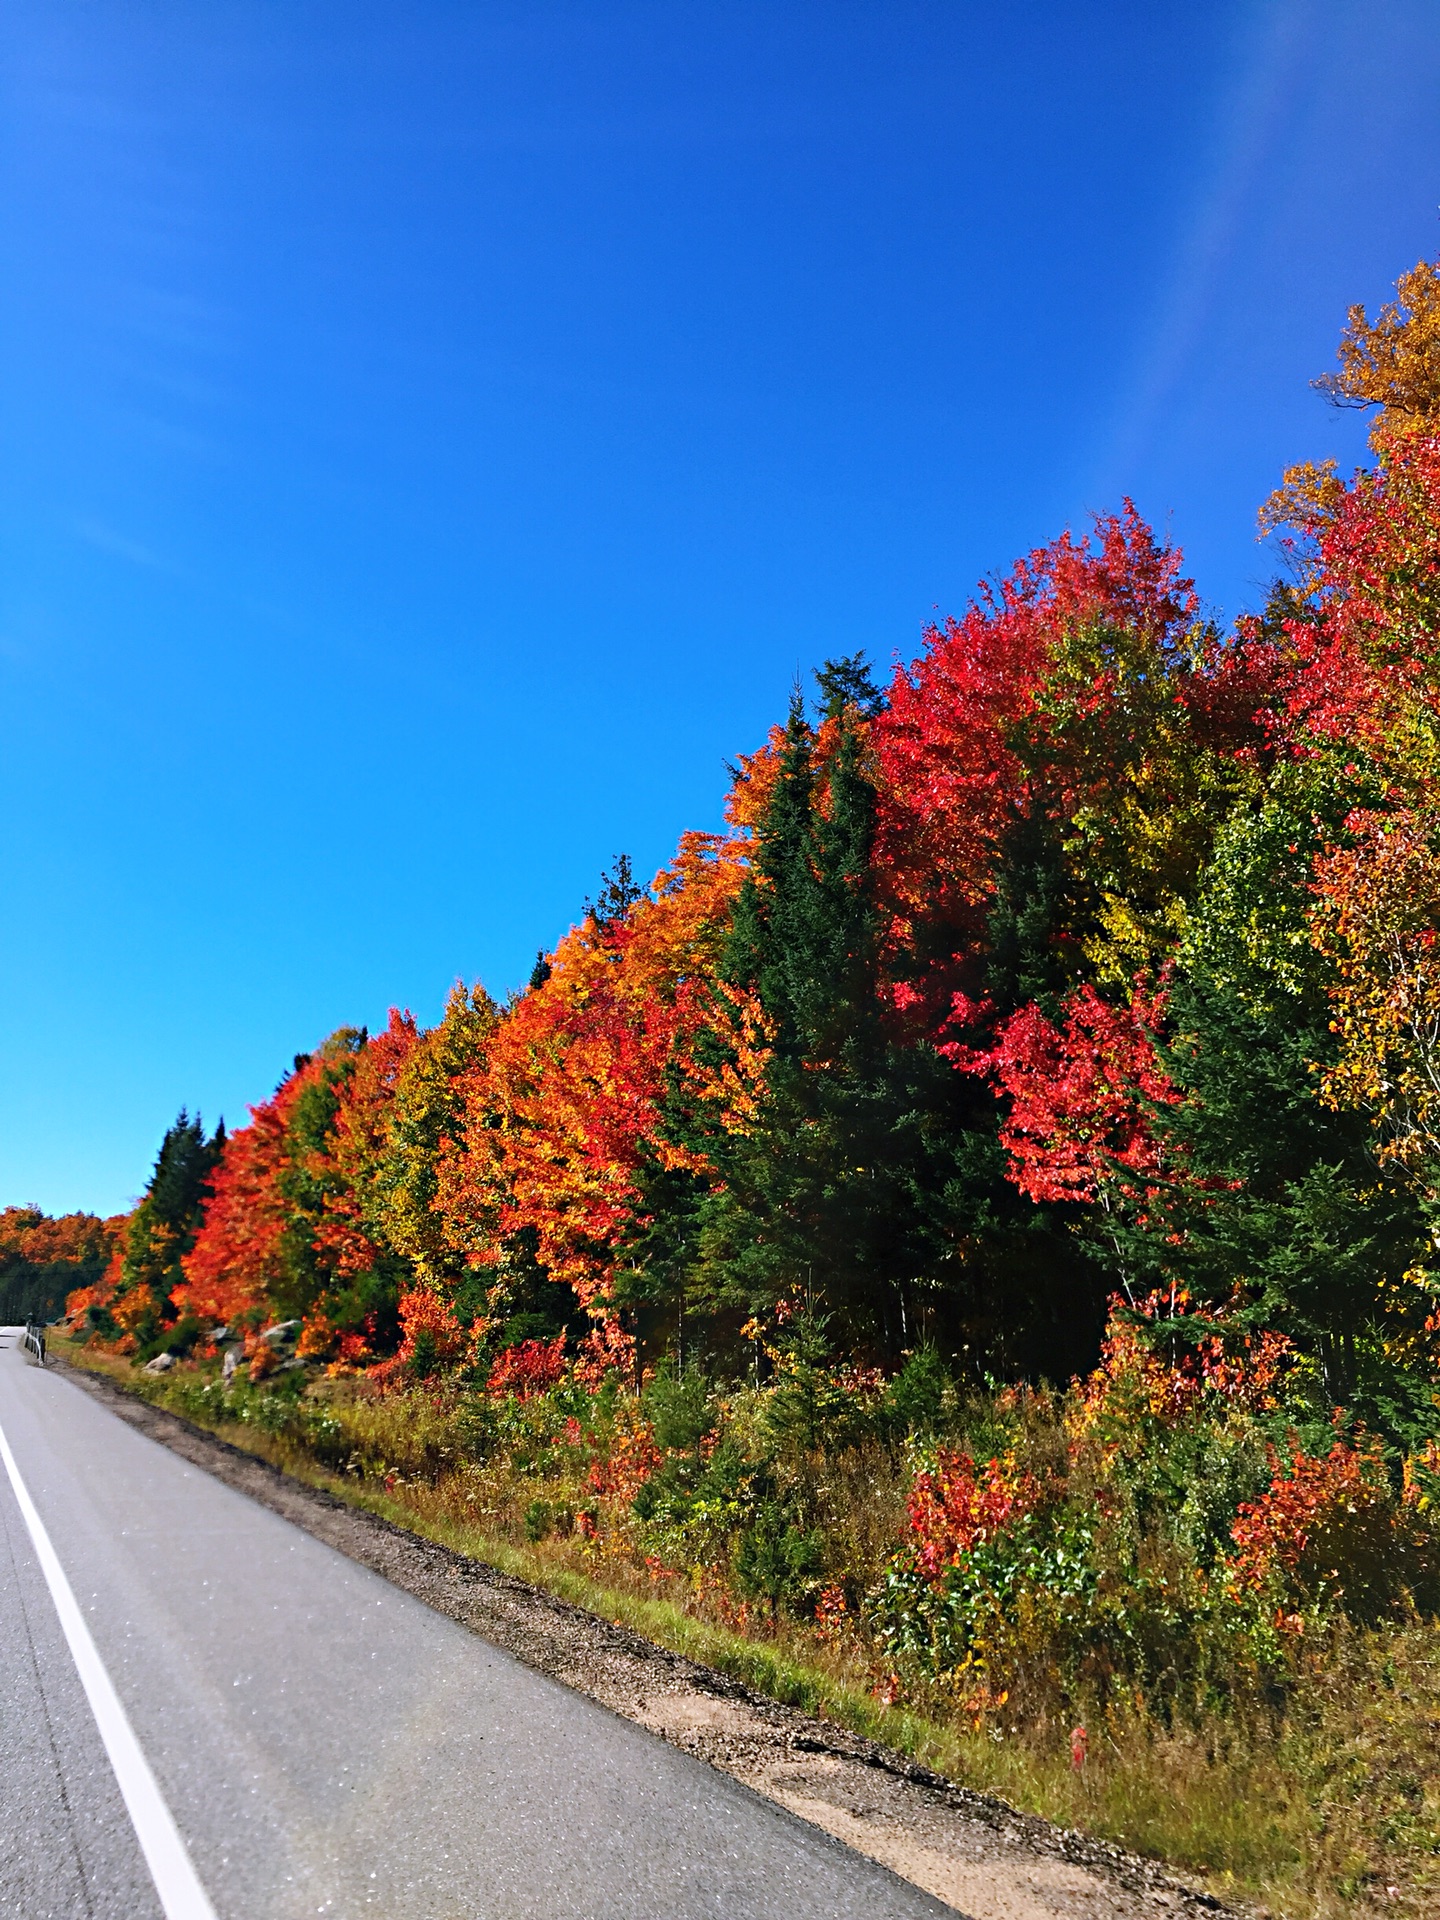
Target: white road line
(176, 1882)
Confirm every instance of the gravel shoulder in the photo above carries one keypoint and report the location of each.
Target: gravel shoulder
(973, 1852)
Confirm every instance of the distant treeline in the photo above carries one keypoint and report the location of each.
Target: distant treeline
(44, 1259)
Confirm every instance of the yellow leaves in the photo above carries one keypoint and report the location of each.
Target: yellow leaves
(1422, 1478)
(1393, 361)
(1307, 496)
(1136, 846)
(1377, 920)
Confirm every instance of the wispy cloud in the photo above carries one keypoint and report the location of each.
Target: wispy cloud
(1250, 114)
(96, 534)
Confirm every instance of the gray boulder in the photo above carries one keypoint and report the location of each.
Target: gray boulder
(162, 1363)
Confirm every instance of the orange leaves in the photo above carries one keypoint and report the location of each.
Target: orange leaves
(30, 1239)
(632, 1459)
(78, 1304)
(356, 1144)
(1393, 361)
(423, 1110)
(236, 1256)
(1378, 921)
(557, 1112)
(731, 1088)
(1322, 1527)
(1135, 1384)
(568, 1101)
(671, 936)
(62, 1240)
(431, 1338)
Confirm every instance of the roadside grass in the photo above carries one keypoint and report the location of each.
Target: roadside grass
(1327, 1810)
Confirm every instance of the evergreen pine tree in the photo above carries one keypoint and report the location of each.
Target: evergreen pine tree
(819, 1196)
(619, 891)
(1279, 1202)
(163, 1228)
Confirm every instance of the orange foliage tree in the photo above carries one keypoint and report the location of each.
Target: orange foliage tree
(568, 1102)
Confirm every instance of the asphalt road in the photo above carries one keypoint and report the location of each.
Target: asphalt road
(324, 1742)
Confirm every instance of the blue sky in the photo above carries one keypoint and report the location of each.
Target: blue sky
(432, 437)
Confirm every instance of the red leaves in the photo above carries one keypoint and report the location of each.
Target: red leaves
(983, 726)
(953, 1509)
(1080, 1094)
(1362, 679)
(528, 1368)
(1052, 774)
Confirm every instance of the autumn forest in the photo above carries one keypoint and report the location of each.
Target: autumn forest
(1028, 1106)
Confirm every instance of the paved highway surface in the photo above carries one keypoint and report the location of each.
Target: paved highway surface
(324, 1743)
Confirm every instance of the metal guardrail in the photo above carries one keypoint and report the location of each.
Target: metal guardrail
(33, 1341)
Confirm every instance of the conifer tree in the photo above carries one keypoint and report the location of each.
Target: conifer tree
(163, 1227)
(820, 1195)
(1277, 1204)
(1281, 1209)
(619, 891)
(873, 1183)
